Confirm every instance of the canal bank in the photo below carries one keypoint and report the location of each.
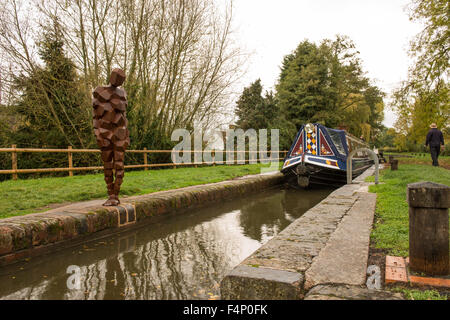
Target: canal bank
(32, 235)
(322, 255)
(183, 256)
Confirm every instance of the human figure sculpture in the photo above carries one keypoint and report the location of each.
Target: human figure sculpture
(110, 128)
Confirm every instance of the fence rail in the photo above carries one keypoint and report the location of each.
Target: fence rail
(71, 169)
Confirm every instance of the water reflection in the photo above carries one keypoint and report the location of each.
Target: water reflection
(182, 257)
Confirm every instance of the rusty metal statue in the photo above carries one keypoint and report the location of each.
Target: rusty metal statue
(110, 128)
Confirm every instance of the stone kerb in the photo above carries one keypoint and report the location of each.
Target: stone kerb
(286, 258)
(290, 254)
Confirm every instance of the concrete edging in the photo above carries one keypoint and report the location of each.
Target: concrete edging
(31, 235)
(327, 246)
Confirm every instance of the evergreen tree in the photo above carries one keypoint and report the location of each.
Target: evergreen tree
(304, 92)
(326, 84)
(250, 108)
(53, 109)
(256, 111)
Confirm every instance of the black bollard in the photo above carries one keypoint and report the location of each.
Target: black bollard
(428, 227)
(394, 165)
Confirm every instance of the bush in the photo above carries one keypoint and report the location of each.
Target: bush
(446, 151)
(389, 149)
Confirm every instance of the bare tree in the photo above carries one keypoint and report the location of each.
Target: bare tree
(179, 55)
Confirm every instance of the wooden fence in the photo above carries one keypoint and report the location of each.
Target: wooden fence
(71, 169)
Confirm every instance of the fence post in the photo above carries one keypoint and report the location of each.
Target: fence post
(70, 161)
(428, 227)
(214, 157)
(145, 159)
(195, 158)
(14, 161)
(394, 164)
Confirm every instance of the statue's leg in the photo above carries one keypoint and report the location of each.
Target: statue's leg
(108, 162)
(119, 168)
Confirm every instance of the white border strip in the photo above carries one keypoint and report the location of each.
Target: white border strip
(321, 164)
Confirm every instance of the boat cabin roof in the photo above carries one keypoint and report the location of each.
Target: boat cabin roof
(309, 140)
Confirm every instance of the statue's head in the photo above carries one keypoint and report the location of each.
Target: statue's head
(117, 77)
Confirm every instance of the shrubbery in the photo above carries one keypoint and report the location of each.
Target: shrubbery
(446, 151)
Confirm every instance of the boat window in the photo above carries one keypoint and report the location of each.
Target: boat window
(336, 137)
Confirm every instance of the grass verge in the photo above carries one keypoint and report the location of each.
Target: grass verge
(22, 197)
(391, 228)
(415, 294)
(419, 158)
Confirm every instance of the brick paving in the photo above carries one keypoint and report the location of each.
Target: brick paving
(397, 271)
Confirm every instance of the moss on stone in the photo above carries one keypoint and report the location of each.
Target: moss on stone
(54, 228)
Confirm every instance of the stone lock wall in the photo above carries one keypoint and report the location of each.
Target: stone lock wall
(321, 255)
(31, 235)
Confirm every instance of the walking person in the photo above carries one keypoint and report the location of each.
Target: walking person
(435, 139)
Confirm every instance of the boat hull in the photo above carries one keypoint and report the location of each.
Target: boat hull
(308, 174)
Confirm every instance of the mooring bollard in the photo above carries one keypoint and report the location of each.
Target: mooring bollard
(394, 165)
(428, 227)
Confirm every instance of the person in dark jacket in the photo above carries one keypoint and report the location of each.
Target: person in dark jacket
(435, 139)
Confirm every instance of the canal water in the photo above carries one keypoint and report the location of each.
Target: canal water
(181, 257)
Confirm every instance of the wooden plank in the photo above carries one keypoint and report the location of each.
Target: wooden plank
(15, 171)
(35, 150)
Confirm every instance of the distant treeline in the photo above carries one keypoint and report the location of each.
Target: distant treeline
(319, 83)
(181, 63)
(325, 83)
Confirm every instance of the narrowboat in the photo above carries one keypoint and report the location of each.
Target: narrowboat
(319, 154)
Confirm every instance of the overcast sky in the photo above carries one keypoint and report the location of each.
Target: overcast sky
(271, 29)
